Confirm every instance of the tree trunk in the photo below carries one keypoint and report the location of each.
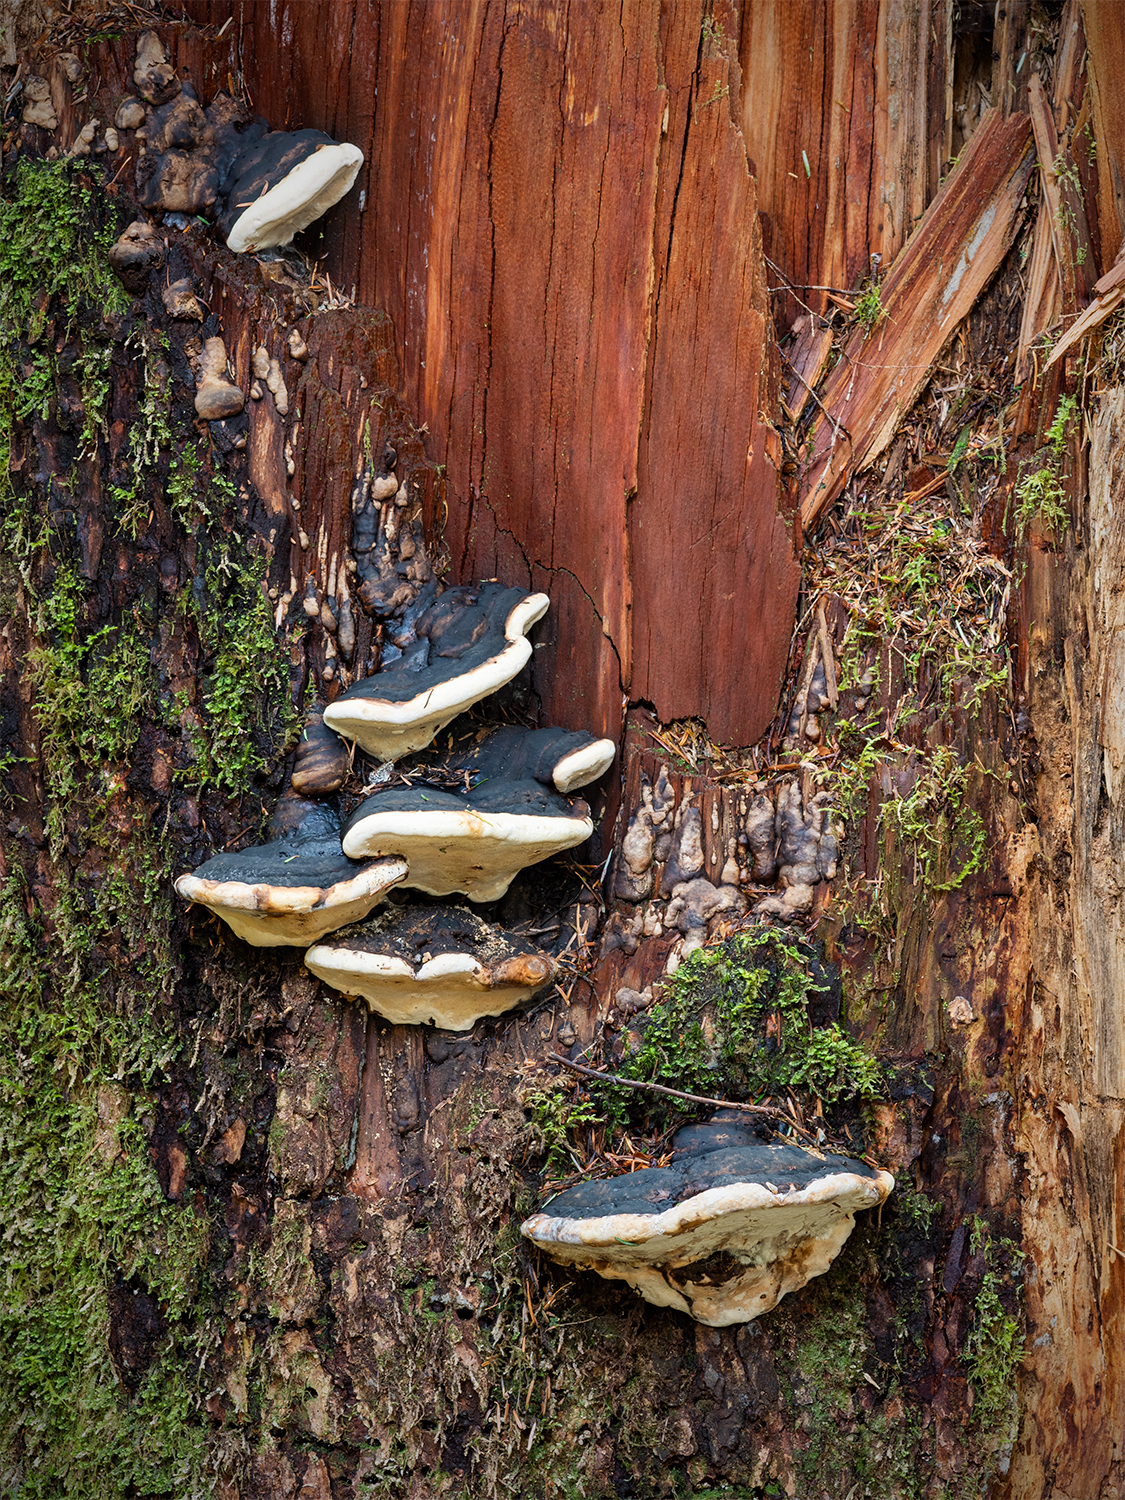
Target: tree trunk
(633, 298)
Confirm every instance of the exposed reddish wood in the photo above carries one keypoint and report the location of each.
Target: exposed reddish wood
(707, 569)
(1105, 33)
(806, 359)
(952, 255)
(546, 310)
(1041, 305)
(1110, 295)
(837, 111)
(1066, 211)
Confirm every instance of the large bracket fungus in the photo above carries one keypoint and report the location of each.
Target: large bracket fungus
(475, 842)
(468, 643)
(439, 965)
(263, 186)
(281, 184)
(294, 890)
(724, 1232)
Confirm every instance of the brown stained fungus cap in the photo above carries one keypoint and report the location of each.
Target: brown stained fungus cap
(294, 890)
(281, 184)
(474, 843)
(468, 643)
(724, 1232)
(431, 965)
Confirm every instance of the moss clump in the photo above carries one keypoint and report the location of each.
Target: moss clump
(248, 718)
(54, 277)
(733, 1022)
(994, 1348)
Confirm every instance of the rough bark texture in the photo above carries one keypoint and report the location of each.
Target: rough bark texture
(262, 1243)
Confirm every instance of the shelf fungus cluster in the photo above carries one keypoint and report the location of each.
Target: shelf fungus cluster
(260, 186)
(722, 1233)
(462, 821)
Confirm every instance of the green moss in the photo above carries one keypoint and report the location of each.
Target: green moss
(54, 242)
(732, 1023)
(88, 985)
(1040, 494)
(81, 1206)
(249, 718)
(995, 1348)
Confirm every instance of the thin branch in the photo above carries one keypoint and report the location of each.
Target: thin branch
(659, 1088)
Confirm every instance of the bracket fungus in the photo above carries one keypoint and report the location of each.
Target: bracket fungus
(474, 842)
(563, 758)
(468, 643)
(435, 965)
(293, 890)
(724, 1232)
(281, 184)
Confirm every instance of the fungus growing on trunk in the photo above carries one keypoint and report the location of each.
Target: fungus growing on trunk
(281, 184)
(294, 890)
(321, 760)
(562, 758)
(468, 643)
(475, 843)
(435, 965)
(724, 1232)
(215, 396)
(137, 252)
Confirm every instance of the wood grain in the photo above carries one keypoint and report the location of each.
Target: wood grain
(535, 182)
(951, 257)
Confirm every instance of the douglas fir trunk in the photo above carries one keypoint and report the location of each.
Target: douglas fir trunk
(729, 329)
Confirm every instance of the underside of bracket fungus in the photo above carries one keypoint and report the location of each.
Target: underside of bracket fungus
(436, 965)
(562, 758)
(294, 890)
(281, 184)
(468, 643)
(474, 842)
(724, 1232)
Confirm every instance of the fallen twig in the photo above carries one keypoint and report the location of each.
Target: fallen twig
(660, 1088)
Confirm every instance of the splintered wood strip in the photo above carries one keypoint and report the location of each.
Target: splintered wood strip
(1110, 296)
(1041, 305)
(1070, 234)
(950, 258)
(806, 360)
(1105, 23)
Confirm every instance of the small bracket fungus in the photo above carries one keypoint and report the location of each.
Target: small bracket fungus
(153, 74)
(281, 184)
(215, 396)
(724, 1232)
(137, 252)
(435, 965)
(39, 110)
(474, 843)
(562, 758)
(468, 643)
(180, 300)
(294, 890)
(321, 760)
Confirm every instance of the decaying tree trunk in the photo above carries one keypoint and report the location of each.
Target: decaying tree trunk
(726, 326)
